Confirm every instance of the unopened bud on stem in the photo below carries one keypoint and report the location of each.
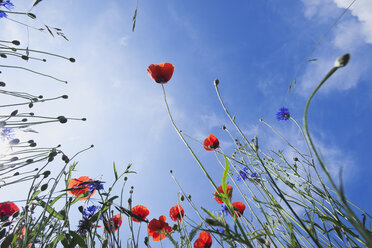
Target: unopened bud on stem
(342, 61)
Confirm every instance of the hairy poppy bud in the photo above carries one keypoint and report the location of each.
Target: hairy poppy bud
(342, 61)
(16, 42)
(216, 82)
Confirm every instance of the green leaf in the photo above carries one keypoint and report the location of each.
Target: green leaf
(78, 239)
(134, 20)
(224, 176)
(194, 231)
(50, 210)
(115, 172)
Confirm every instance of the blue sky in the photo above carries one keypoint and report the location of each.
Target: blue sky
(254, 48)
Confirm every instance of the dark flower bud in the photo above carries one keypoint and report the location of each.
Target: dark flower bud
(3, 55)
(216, 82)
(16, 42)
(295, 159)
(33, 144)
(29, 161)
(50, 159)
(30, 105)
(16, 174)
(342, 61)
(174, 227)
(13, 159)
(2, 84)
(40, 97)
(44, 60)
(84, 119)
(14, 142)
(125, 178)
(72, 60)
(24, 57)
(46, 174)
(32, 16)
(31, 141)
(182, 198)
(31, 114)
(189, 196)
(223, 127)
(14, 113)
(44, 187)
(80, 208)
(53, 154)
(24, 119)
(65, 158)
(65, 96)
(62, 119)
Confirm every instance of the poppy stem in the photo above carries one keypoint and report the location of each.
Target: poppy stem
(352, 216)
(185, 142)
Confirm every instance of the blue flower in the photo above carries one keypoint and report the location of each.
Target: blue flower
(220, 230)
(283, 114)
(7, 4)
(243, 175)
(3, 14)
(95, 186)
(255, 176)
(224, 210)
(90, 211)
(7, 133)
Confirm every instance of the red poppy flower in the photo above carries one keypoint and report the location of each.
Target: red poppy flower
(211, 143)
(239, 208)
(7, 209)
(141, 211)
(176, 213)
(229, 191)
(161, 73)
(204, 240)
(80, 186)
(115, 222)
(158, 229)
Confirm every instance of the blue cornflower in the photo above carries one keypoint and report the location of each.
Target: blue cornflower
(95, 186)
(243, 174)
(90, 211)
(7, 133)
(220, 230)
(224, 210)
(6, 4)
(283, 114)
(255, 176)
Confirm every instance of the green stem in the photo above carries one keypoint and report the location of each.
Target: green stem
(185, 142)
(352, 217)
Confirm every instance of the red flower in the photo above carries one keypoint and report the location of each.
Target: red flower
(176, 213)
(211, 143)
(204, 240)
(141, 211)
(161, 73)
(158, 229)
(239, 208)
(79, 187)
(7, 209)
(229, 191)
(115, 222)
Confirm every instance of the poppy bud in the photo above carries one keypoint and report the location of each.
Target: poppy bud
(24, 57)
(33, 144)
(2, 84)
(65, 96)
(62, 119)
(295, 159)
(44, 187)
(14, 113)
(24, 119)
(16, 42)
(72, 60)
(29, 161)
(3, 55)
(32, 16)
(16, 174)
(342, 61)
(216, 82)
